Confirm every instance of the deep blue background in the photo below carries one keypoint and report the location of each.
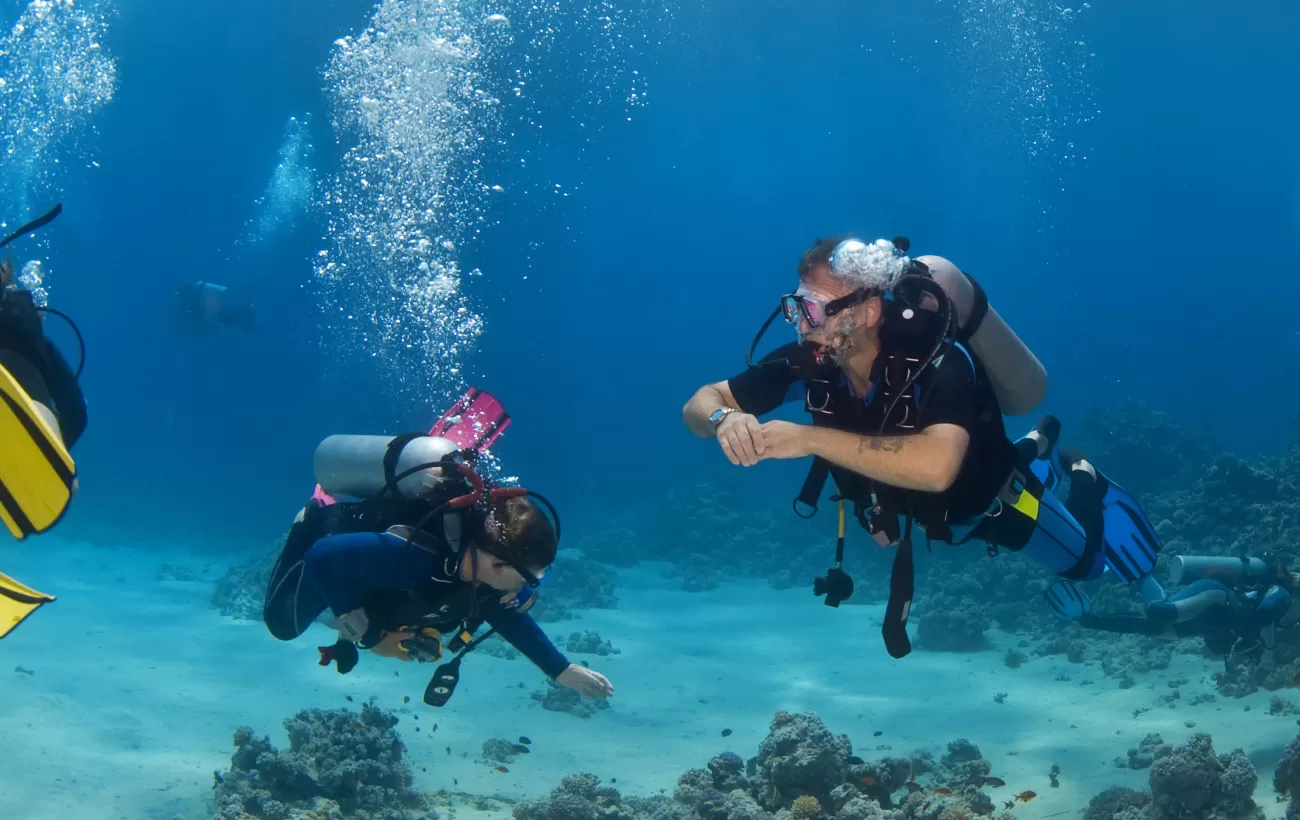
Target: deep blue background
(1164, 271)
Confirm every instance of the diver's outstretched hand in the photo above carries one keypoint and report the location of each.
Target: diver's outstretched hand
(741, 437)
(585, 682)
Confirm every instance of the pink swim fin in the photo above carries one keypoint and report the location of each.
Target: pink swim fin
(475, 421)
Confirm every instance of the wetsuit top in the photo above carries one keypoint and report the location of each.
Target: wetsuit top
(400, 584)
(954, 391)
(38, 365)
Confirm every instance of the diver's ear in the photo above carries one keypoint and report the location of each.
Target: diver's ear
(873, 311)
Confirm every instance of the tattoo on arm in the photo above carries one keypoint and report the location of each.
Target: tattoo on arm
(886, 444)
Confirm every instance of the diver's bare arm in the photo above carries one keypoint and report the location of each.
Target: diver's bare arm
(707, 400)
(927, 461)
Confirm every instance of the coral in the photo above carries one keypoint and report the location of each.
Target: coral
(880, 779)
(240, 592)
(860, 809)
(1113, 801)
(953, 615)
(581, 797)
(1151, 749)
(962, 766)
(589, 643)
(573, 585)
(740, 806)
(728, 772)
(690, 784)
(806, 807)
(496, 750)
(1192, 783)
(800, 757)
(556, 698)
(338, 761)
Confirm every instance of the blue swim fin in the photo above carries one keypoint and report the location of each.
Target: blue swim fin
(1048, 468)
(1131, 543)
(1067, 601)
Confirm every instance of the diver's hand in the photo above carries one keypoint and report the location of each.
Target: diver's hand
(388, 648)
(785, 439)
(741, 438)
(585, 682)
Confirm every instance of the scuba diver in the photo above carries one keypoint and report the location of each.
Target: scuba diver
(204, 304)
(428, 553)
(42, 415)
(906, 371)
(1234, 604)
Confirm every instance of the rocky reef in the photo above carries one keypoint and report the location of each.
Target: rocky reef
(1188, 782)
(339, 764)
(802, 771)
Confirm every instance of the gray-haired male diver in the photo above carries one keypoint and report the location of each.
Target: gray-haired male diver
(906, 372)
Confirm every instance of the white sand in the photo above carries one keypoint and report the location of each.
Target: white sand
(138, 687)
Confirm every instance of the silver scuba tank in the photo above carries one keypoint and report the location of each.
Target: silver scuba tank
(353, 466)
(1017, 376)
(1184, 569)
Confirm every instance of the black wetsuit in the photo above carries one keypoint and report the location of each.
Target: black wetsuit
(953, 392)
(1228, 619)
(340, 558)
(38, 365)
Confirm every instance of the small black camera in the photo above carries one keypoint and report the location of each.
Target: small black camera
(836, 585)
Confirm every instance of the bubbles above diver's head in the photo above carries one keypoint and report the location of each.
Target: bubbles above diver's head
(874, 265)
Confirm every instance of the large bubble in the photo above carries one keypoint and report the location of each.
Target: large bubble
(55, 74)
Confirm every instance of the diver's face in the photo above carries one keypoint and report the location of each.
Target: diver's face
(500, 575)
(836, 332)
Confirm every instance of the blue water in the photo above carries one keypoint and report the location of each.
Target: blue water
(1123, 179)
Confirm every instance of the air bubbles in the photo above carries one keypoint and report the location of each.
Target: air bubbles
(54, 77)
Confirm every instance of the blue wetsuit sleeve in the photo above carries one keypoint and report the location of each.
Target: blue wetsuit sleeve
(523, 633)
(346, 570)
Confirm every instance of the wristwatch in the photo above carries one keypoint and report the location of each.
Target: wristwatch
(716, 417)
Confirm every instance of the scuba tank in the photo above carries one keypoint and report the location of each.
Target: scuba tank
(1184, 569)
(363, 466)
(1018, 379)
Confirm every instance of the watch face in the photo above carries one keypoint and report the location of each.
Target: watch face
(718, 415)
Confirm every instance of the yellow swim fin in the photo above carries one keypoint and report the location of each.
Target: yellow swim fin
(17, 601)
(36, 471)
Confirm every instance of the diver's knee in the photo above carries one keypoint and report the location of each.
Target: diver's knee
(1150, 590)
(1162, 613)
(282, 628)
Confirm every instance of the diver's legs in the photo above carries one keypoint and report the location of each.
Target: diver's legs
(1038, 450)
(1191, 601)
(1128, 542)
(1151, 590)
(1127, 624)
(1060, 543)
(291, 605)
